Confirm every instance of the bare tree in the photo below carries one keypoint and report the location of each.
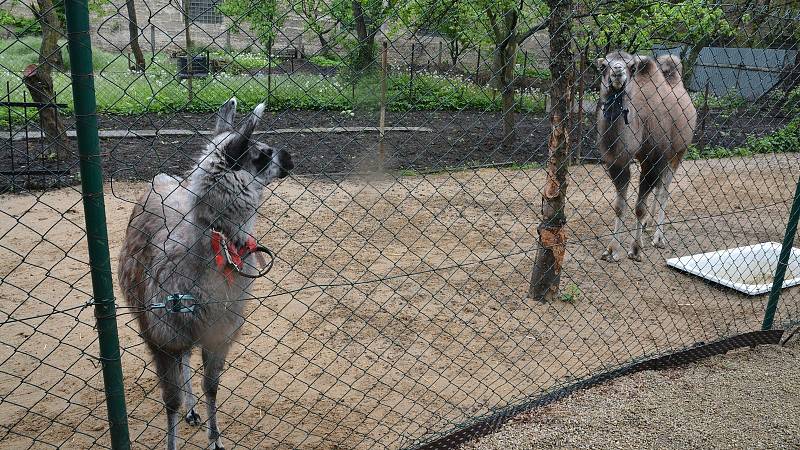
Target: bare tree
(133, 32)
(546, 274)
(504, 27)
(49, 52)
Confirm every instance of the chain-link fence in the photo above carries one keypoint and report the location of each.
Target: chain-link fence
(445, 250)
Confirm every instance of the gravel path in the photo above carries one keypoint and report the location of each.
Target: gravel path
(745, 399)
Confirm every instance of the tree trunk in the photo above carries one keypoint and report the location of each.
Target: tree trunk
(690, 61)
(546, 273)
(508, 59)
(189, 57)
(365, 51)
(133, 32)
(40, 84)
(505, 58)
(49, 52)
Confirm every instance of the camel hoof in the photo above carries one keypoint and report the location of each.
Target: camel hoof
(611, 256)
(192, 418)
(635, 255)
(659, 241)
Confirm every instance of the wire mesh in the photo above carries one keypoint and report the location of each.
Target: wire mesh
(397, 308)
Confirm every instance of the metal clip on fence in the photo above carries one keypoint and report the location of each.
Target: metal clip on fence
(174, 303)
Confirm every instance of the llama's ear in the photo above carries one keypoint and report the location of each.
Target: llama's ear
(225, 116)
(252, 120)
(240, 142)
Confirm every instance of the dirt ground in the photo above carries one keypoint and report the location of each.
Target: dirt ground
(745, 399)
(460, 138)
(396, 309)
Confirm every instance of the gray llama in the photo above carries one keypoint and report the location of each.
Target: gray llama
(191, 237)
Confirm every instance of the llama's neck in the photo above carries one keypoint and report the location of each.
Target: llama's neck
(225, 202)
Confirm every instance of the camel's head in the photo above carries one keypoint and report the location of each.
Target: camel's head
(617, 69)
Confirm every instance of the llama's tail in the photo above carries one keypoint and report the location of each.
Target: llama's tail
(671, 67)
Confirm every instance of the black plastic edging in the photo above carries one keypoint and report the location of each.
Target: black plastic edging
(702, 350)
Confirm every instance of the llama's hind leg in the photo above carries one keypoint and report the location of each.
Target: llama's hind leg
(213, 365)
(168, 368)
(191, 417)
(621, 176)
(662, 197)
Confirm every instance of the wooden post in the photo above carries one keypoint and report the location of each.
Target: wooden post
(478, 65)
(382, 123)
(411, 76)
(581, 92)
(269, 72)
(703, 115)
(439, 57)
(152, 42)
(228, 47)
(189, 57)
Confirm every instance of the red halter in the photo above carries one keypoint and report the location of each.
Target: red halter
(227, 256)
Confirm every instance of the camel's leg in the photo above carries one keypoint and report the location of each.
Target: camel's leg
(213, 364)
(649, 178)
(621, 176)
(662, 197)
(191, 417)
(168, 368)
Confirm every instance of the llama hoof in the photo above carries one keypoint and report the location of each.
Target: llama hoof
(216, 444)
(192, 418)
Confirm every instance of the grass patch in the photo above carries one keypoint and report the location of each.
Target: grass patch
(570, 294)
(784, 140)
(324, 61)
(121, 91)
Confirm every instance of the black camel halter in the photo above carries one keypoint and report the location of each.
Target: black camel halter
(613, 106)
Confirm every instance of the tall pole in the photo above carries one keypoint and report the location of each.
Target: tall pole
(783, 261)
(80, 53)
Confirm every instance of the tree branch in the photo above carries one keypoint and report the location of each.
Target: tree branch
(524, 36)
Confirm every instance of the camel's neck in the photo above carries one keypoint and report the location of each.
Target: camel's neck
(615, 106)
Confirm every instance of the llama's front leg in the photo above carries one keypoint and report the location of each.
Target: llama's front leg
(621, 177)
(213, 364)
(169, 374)
(191, 417)
(662, 197)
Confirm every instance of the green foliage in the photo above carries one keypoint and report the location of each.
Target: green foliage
(729, 102)
(792, 105)
(635, 27)
(264, 17)
(21, 26)
(571, 293)
(432, 92)
(325, 61)
(784, 140)
(242, 62)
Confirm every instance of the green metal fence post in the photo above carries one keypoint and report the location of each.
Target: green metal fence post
(80, 53)
(783, 261)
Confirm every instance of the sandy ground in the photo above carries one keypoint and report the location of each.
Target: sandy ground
(396, 309)
(745, 399)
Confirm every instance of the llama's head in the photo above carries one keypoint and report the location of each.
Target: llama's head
(239, 151)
